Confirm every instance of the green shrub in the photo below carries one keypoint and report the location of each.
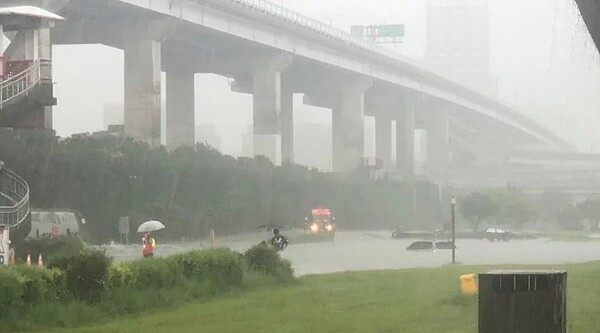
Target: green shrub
(41, 285)
(264, 259)
(56, 282)
(86, 274)
(34, 284)
(12, 286)
(150, 272)
(220, 267)
(121, 275)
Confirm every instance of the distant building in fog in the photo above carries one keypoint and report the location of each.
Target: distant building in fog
(207, 134)
(113, 115)
(458, 41)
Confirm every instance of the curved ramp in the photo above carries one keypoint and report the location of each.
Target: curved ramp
(15, 190)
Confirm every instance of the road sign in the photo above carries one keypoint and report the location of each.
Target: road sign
(391, 30)
(124, 225)
(124, 229)
(383, 33)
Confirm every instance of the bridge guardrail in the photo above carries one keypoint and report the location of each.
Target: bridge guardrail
(21, 83)
(16, 189)
(291, 16)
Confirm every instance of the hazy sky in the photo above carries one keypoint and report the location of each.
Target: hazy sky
(542, 60)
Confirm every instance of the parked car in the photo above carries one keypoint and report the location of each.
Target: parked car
(496, 234)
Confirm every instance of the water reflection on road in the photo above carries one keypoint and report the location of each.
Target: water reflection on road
(352, 251)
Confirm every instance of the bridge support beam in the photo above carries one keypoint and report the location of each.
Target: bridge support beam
(383, 140)
(348, 127)
(180, 109)
(287, 123)
(438, 145)
(142, 91)
(45, 52)
(267, 92)
(405, 140)
(267, 113)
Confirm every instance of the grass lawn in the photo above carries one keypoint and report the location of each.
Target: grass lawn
(416, 300)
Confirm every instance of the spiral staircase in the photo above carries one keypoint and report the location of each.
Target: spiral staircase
(14, 202)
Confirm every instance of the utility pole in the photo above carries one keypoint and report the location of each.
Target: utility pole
(453, 231)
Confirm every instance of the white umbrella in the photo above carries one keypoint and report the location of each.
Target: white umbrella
(150, 226)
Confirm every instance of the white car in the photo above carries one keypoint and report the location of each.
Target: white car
(495, 234)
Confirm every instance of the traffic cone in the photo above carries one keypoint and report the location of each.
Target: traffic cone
(40, 262)
(28, 262)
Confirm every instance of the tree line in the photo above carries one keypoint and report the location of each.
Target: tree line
(193, 189)
(513, 208)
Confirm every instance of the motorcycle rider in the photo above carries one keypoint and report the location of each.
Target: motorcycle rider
(279, 240)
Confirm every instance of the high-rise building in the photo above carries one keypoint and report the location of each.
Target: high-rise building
(458, 42)
(207, 134)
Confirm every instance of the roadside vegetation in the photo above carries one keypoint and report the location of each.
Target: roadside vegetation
(85, 287)
(413, 300)
(551, 212)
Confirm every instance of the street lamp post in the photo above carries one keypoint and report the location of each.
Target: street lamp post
(453, 231)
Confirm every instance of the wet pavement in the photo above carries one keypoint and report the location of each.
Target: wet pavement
(354, 251)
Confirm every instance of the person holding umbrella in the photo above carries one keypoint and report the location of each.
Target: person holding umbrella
(149, 244)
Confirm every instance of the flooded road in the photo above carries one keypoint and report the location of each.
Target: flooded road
(354, 251)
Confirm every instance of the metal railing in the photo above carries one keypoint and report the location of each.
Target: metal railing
(276, 11)
(23, 82)
(15, 189)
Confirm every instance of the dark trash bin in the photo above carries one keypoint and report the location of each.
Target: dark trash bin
(523, 302)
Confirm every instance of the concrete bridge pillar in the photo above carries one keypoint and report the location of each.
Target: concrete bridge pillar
(383, 140)
(348, 127)
(267, 92)
(287, 123)
(142, 91)
(45, 52)
(405, 139)
(438, 145)
(180, 109)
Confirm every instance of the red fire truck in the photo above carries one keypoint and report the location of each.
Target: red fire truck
(320, 221)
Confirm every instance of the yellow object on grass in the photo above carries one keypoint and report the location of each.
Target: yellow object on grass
(468, 284)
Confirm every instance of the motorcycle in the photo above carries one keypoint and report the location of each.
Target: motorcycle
(278, 241)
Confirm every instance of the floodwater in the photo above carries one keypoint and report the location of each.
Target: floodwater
(355, 251)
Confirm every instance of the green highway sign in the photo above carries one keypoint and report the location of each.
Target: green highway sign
(385, 33)
(391, 30)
